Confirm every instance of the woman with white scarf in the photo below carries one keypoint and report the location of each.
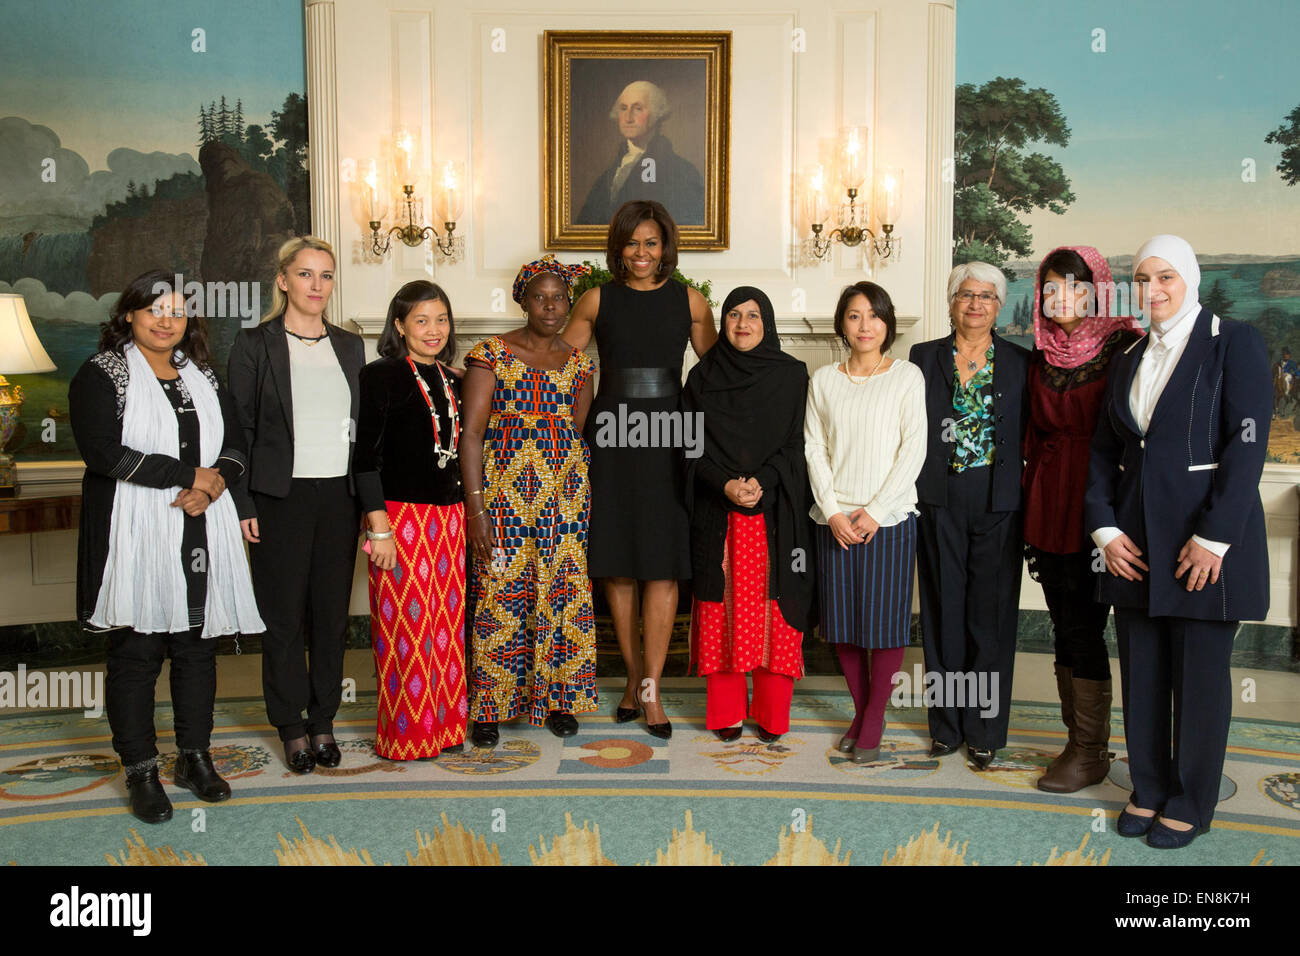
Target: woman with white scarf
(1173, 503)
(160, 560)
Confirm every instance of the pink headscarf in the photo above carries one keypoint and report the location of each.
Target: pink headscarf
(1071, 351)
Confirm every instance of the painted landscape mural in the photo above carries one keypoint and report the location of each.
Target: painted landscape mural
(174, 138)
(1105, 123)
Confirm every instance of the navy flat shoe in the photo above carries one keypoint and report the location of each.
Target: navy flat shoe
(1132, 825)
(1162, 837)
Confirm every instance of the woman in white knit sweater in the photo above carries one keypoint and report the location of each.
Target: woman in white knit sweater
(864, 438)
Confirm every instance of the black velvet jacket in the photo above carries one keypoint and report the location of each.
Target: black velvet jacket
(394, 458)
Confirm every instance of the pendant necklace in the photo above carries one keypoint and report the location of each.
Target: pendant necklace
(444, 454)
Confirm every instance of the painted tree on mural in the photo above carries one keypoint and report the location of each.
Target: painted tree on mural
(1288, 137)
(995, 181)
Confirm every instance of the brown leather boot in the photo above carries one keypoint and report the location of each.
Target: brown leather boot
(1087, 759)
(1065, 690)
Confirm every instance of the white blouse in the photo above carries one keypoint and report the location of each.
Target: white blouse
(322, 411)
(865, 442)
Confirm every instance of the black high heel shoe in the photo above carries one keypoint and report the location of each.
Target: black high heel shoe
(625, 715)
(326, 750)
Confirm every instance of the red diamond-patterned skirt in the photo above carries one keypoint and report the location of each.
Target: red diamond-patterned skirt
(417, 626)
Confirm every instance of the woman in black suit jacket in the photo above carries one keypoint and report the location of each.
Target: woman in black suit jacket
(297, 398)
(969, 535)
(1173, 502)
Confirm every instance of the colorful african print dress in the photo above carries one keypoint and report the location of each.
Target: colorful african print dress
(534, 628)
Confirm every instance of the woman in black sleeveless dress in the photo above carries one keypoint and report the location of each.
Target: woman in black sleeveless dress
(640, 537)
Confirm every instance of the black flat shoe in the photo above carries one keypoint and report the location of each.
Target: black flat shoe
(149, 803)
(940, 749)
(980, 758)
(562, 725)
(194, 772)
(767, 736)
(625, 715)
(663, 731)
(728, 734)
(453, 749)
(299, 761)
(485, 734)
(326, 750)
(1162, 837)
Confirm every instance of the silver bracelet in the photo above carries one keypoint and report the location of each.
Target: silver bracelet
(378, 535)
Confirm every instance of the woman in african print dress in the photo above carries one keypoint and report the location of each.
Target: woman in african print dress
(524, 461)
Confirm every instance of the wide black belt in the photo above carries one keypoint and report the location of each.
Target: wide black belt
(640, 382)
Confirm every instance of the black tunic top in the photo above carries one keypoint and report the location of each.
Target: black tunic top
(96, 404)
(394, 458)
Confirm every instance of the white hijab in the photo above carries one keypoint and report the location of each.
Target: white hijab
(1178, 253)
(144, 579)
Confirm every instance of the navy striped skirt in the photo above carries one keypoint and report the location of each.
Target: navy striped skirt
(866, 591)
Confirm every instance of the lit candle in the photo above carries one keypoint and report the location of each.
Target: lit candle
(889, 195)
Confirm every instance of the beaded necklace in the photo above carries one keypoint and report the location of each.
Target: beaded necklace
(444, 455)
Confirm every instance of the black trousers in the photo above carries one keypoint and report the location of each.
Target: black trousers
(1078, 622)
(968, 565)
(302, 575)
(134, 662)
(1176, 764)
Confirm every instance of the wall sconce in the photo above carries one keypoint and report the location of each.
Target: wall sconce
(851, 159)
(409, 228)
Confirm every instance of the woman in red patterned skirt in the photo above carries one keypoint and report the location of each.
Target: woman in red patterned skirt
(751, 539)
(408, 479)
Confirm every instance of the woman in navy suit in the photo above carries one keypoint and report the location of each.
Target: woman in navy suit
(1173, 500)
(969, 535)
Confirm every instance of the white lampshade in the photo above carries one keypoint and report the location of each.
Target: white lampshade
(21, 352)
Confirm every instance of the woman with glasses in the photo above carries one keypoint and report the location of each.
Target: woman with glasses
(969, 554)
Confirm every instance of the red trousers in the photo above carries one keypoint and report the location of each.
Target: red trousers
(728, 700)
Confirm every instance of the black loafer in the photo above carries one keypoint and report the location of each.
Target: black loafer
(485, 734)
(728, 734)
(300, 761)
(149, 803)
(326, 751)
(194, 772)
(1132, 825)
(1162, 837)
(940, 749)
(562, 725)
(980, 758)
(767, 736)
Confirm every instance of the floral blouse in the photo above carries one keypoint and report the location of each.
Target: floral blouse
(972, 406)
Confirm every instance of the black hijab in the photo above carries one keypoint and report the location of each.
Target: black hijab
(753, 407)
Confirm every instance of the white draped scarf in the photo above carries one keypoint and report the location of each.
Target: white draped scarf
(144, 578)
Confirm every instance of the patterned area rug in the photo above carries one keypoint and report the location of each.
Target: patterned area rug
(615, 795)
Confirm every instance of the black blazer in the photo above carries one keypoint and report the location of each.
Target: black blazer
(258, 378)
(1010, 407)
(1195, 471)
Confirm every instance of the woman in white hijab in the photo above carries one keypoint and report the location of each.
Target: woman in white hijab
(1173, 503)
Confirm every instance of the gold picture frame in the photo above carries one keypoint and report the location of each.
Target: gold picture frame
(586, 171)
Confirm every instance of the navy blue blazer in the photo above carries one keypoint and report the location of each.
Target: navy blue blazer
(258, 376)
(1195, 471)
(1010, 408)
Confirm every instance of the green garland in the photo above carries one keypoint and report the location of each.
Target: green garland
(599, 275)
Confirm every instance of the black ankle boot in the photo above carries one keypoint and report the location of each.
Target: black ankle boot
(149, 802)
(194, 772)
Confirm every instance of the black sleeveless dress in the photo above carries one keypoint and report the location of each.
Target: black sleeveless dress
(639, 527)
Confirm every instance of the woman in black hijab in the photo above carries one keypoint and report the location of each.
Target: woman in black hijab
(751, 538)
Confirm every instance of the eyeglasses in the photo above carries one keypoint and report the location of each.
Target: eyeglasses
(985, 298)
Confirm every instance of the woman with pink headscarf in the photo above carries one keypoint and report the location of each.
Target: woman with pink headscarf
(1076, 333)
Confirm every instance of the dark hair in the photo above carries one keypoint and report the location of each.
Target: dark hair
(391, 342)
(1064, 262)
(624, 223)
(142, 292)
(881, 305)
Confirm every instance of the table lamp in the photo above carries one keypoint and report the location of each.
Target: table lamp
(21, 353)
